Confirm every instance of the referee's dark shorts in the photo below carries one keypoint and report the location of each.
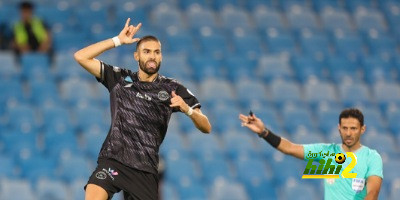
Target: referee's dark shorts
(113, 177)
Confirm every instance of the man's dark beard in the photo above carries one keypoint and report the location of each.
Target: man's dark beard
(142, 66)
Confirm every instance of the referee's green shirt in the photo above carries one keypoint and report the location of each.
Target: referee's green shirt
(369, 163)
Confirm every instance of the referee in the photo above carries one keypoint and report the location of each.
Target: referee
(141, 106)
(351, 126)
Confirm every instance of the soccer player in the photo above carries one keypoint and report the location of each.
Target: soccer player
(351, 126)
(141, 106)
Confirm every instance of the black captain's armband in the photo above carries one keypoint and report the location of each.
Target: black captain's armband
(270, 137)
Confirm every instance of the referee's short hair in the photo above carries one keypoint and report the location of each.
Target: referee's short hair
(26, 5)
(145, 39)
(354, 113)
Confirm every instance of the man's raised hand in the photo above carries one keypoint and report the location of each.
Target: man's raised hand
(126, 36)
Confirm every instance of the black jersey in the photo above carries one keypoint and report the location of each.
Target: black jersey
(140, 112)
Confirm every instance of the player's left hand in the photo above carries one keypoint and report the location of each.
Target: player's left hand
(178, 102)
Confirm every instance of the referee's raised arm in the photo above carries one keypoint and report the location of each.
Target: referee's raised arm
(86, 56)
(256, 125)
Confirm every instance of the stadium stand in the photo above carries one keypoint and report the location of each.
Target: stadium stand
(295, 63)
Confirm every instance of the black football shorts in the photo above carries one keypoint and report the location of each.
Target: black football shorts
(113, 177)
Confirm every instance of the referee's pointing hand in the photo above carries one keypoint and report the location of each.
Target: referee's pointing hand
(177, 101)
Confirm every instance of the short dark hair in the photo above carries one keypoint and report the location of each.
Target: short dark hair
(354, 113)
(26, 5)
(146, 38)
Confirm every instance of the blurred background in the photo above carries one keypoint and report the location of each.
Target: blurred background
(295, 63)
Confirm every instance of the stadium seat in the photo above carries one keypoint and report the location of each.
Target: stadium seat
(182, 172)
(316, 91)
(232, 18)
(285, 91)
(279, 41)
(266, 18)
(348, 92)
(224, 189)
(336, 19)
(16, 189)
(239, 146)
(314, 43)
(248, 91)
(293, 191)
(166, 16)
(50, 189)
(194, 190)
(299, 18)
(367, 19)
(272, 66)
(200, 17)
(295, 118)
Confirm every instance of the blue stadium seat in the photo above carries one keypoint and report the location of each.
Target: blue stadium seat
(348, 44)
(377, 69)
(239, 68)
(295, 118)
(192, 4)
(290, 167)
(52, 189)
(173, 147)
(168, 191)
(336, 19)
(88, 117)
(76, 165)
(293, 5)
(194, 190)
(390, 171)
(224, 189)
(239, 146)
(373, 117)
(386, 93)
(254, 5)
(180, 42)
(393, 118)
(381, 142)
(182, 171)
(343, 70)
(214, 44)
(38, 167)
(200, 17)
(248, 45)
(223, 4)
(327, 120)
(271, 66)
(356, 5)
(23, 118)
(205, 67)
(302, 19)
(279, 42)
(216, 169)
(57, 17)
(8, 68)
(233, 18)
(136, 10)
(268, 18)
(44, 93)
(166, 16)
(285, 91)
(319, 91)
(16, 189)
(248, 91)
(314, 43)
(205, 148)
(320, 5)
(367, 19)
(252, 177)
(292, 192)
(348, 92)
(379, 43)
(73, 97)
(7, 162)
(211, 88)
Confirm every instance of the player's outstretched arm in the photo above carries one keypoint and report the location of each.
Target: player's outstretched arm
(199, 119)
(86, 56)
(285, 146)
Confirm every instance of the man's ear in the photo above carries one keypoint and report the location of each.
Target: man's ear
(136, 56)
(363, 128)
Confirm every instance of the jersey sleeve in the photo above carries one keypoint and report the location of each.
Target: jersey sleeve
(317, 151)
(187, 96)
(109, 75)
(375, 166)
